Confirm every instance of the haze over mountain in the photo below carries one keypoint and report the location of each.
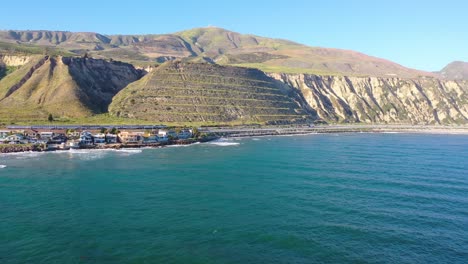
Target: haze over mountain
(179, 78)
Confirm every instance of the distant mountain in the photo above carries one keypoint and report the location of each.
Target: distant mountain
(215, 44)
(457, 70)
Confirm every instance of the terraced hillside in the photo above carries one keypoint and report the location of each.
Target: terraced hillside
(62, 86)
(202, 92)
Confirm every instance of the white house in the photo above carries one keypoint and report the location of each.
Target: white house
(15, 138)
(86, 139)
(131, 137)
(167, 133)
(184, 134)
(99, 138)
(111, 138)
(46, 135)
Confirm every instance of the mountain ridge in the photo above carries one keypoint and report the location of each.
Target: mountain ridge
(220, 45)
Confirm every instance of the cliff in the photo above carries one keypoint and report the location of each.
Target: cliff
(382, 100)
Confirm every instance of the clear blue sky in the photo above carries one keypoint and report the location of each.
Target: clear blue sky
(425, 35)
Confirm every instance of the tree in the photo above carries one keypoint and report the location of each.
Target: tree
(50, 118)
(195, 132)
(114, 131)
(103, 130)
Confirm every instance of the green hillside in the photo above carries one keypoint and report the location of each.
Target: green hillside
(63, 86)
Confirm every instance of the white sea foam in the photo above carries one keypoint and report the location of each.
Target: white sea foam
(23, 155)
(223, 143)
(3, 166)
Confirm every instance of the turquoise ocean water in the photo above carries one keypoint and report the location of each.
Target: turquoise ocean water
(338, 198)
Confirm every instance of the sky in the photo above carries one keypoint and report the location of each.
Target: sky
(425, 35)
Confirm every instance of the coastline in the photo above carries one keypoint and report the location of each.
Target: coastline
(241, 132)
(279, 131)
(18, 148)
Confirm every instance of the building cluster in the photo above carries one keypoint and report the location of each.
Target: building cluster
(70, 139)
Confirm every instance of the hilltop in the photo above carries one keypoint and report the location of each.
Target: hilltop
(457, 70)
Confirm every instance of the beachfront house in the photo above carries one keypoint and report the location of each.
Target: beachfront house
(99, 138)
(111, 138)
(46, 135)
(131, 137)
(14, 139)
(73, 134)
(162, 138)
(184, 134)
(167, 133)
(151, 139)
(86, 139)
(72, 144)
(4, 134)
(31, 134)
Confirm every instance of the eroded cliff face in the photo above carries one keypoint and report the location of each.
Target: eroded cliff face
(382, 100)
(14, 60)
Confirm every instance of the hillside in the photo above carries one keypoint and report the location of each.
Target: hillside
(62, 86)
(202, 92)
(217, 45)
(457, 70)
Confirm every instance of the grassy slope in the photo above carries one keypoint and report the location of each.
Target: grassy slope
(69, 91)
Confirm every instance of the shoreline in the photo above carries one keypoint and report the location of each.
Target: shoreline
(32, 148)
(253, 132)
(279, 131)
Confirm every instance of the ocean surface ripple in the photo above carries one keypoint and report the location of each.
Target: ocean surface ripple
(338, 198)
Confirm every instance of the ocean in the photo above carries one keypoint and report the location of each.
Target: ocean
(334, 198)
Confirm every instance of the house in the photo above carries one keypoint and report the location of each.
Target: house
(14, 139)
(86, 139)
(4, 134)
(72, 144)
(46, 135)
(99, 138)
(184, 134)
(150, 139)
(73, 134)
(163, 138)
(111, 138)
(31, 134)
(56, 142)
(167, 133)
(59, 138)
(131, 137)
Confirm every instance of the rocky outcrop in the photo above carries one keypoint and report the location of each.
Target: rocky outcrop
(21, 148)
(382, 100)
